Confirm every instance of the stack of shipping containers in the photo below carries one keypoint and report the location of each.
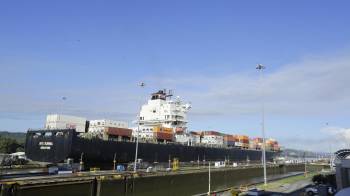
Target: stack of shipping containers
(230, 140)
(243, 141)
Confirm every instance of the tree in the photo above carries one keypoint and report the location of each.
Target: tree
(8, 145)
(319, 179)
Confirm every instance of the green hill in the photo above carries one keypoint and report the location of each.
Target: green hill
(11, 142)
(20, 137)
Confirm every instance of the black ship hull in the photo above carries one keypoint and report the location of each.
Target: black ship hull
(55, 146)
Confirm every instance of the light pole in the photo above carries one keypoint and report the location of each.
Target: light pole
(330, 150)
(138, 130)
(62, 105)
(261, 68)
(305, 171)
(209, 180)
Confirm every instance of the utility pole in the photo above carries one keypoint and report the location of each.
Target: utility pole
(261, 68)
(198, 161)
(138, 130)
(228, 160)
(114, 161)
(81, 163)
(169, 166)
(204, 161)
(330, 150)
(61, 105)
(305, 171)
(209, 180)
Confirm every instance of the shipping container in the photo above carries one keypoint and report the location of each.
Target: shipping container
(258, 140)
(243, 139)
(162, 129)
(195, 137)
(64, 118)
(195, 133)
(231, 138)
(242, 145)
(213, 139)
(182, 138)
(180, 130)
(255, 146)
(271, 141)
(164, 136)
(58, 121)
(230, 143)
(211, 133)
(108, 123)
(118, 131)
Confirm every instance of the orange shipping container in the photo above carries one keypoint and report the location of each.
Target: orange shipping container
(162, 129)
(118, 131)
(230, 138)
(243, 139)
(271, 141)
(164, 136)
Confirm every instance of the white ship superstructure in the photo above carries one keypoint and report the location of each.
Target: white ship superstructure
(163, 111)
(161, 117)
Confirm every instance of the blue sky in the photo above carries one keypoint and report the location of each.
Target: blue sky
(96, 52)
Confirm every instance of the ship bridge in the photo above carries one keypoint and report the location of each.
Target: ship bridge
(162, 110)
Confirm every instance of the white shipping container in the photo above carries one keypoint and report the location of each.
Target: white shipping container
(64, 118)
(108, 123)
(195, 139)
(57, 121)
(238, 144)
(213, 139)
(98, 126)
(145, 132)
(182, 138)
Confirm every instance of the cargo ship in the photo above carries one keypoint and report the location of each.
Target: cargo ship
(161, 132)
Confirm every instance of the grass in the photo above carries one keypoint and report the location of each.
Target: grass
(289, 180)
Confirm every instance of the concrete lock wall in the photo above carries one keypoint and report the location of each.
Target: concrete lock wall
(156, 184)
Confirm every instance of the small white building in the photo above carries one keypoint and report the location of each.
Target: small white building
(58, 121)
(97, 126)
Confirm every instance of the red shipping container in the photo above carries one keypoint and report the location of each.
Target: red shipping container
(179, 130)
(164, 136)
(230, 138)
(118, 131)
(211, 133)
(195, 133)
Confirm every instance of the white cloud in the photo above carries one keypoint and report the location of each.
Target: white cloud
(310, 88)
(342, 135)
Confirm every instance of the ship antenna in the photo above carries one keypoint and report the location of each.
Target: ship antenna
(170, 93)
